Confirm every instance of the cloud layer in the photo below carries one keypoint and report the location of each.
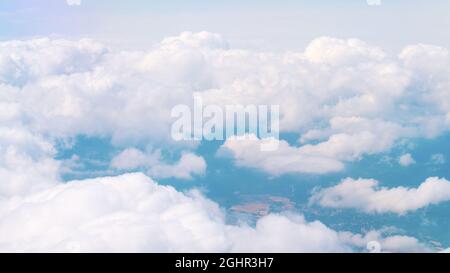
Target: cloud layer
(346, 99)
(134, 159)
(131, 213)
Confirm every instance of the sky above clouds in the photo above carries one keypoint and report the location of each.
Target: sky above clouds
(271, 25)
(87, 162)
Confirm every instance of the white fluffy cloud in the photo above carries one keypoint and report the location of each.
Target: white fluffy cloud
(21, 174)
(376, 238)
(133, 159)
(352, 139)
(76, 87)
(406, 160)
(26, 162)
(366, 195)
(131, 213)
(345, 98)
(22, 62)
(335, 93)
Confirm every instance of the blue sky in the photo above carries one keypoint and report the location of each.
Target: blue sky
(229, 186)
(271, 25)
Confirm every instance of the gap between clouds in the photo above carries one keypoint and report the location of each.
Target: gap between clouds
(345, 98)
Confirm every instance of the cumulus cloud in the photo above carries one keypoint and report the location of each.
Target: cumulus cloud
(332, 79)
(131, 213)
(133, 159)
(126, 213)
(66, 88)
(21, 174)
(345, 98)
(338, 52)
(368, 196)
(383, 243)
(188, 165)
(285, 159)
(26, 162)
(23, 62)
(406, 160)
